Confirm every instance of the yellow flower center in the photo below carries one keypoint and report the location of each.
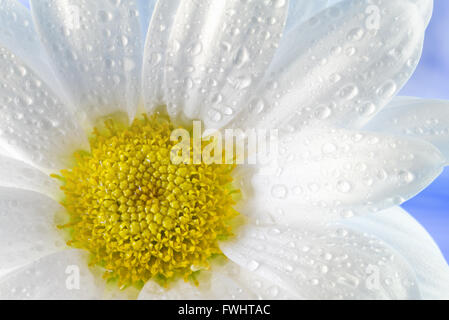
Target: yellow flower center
(140, 216)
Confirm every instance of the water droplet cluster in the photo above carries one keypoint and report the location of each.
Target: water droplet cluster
(336, 68)
(211, 84)
(34, 122)
(74, 33)
(317, 262)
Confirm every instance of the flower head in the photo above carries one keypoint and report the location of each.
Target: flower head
(95, 96)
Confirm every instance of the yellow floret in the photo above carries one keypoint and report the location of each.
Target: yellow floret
(140, 216)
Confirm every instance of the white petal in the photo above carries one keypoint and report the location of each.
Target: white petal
(228, 282)
(156, 45)
(340, 67)
(27, 227)
(402, 232)
(52, 277)
(96, 50)
(146, 9)
(302, 10)
(17, 33)
(333, 2)
(17, 30)
(424, 119)
(426, 8)
(217, 51)
(17, 174)
(34, 124)
(324, 263)
(341, 172)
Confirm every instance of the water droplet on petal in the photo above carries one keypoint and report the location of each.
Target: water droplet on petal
(279, 191)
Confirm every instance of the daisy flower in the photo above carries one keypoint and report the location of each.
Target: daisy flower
(92, 205)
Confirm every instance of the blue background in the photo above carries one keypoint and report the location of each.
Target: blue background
(431, 80)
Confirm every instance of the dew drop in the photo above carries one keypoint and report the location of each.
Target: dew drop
(242, 57)
(344, 186)
(215, 115)
(253, 265)
(257, 106)
(349, 92)
(104, 16)
(323, 112)
(196, 49)
(355, 34)
(279, 191)
(387, 90)
(406, 176)
(367, 109)
(279, 3)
